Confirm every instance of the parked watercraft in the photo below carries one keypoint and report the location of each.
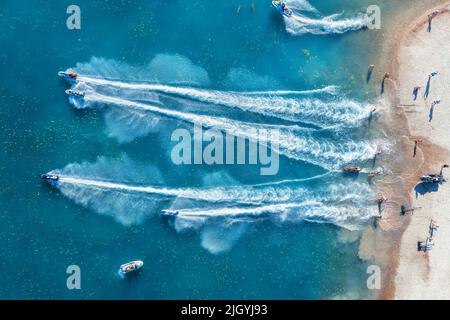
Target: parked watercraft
(432, 178)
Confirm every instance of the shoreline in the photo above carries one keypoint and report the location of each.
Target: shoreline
(392, 240)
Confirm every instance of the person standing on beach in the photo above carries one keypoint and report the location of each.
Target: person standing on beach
(386, 76)
(369, 72)
(416, 143)
(416, 92)
(435, 102)
(430, 18)
(427, 89)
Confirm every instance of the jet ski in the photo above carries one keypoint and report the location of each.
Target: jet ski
(130, 267)
(69, 76)
(75, 93)
(432, 178)
(49, 177)
(352, 169)
(169, 213)
(282, 8)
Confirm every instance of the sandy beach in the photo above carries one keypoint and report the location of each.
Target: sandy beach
(420, 52)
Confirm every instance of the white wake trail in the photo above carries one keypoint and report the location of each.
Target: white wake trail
(305, 107)
(238, 194)
(278, 192)
(347, 216)
(291, 141)
(343, 204)
(300, 23)
(241, 211)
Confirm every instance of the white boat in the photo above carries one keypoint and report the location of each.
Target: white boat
(69, 76)
(130, 267)
(76, 93)
(169, 213)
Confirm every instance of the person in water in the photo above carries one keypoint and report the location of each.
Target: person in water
(373, 174)
(381, 199)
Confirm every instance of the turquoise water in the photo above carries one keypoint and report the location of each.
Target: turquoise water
(287, 241)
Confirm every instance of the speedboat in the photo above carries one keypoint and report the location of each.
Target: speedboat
(282, 8)
(75, 93)
(169, 213)
(432, 178)
(130, 267)
(49, 177)
(352, 169)
(69, 76)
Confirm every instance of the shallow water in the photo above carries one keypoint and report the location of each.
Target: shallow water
(239, 234)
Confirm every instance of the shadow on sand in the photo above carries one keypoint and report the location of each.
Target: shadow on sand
(426, 187)
(369, 75)
(430, 115)
(427, 89)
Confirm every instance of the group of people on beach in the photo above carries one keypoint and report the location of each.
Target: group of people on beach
(428, 244)
(381, 199)
(385, 76)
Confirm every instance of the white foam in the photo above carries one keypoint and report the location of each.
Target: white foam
(293, 142)
(300, 23)
(286, 200)
(350, 217)
(239, 194)
(305, 107)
